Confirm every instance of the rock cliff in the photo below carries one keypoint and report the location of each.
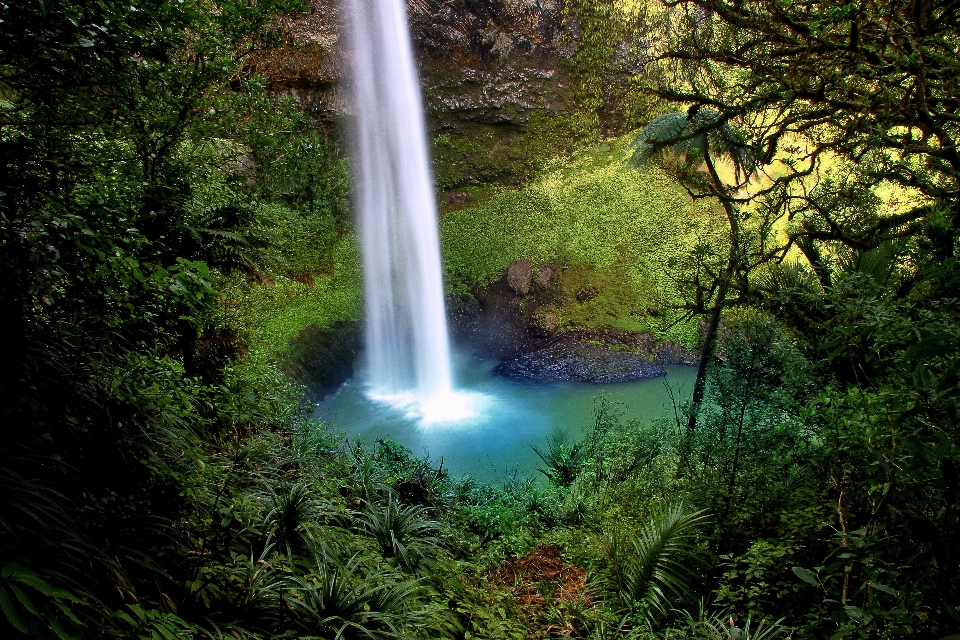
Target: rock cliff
(505, 53)
(495, 75)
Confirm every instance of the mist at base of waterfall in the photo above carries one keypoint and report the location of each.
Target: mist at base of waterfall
(486, 428)
(447, 408)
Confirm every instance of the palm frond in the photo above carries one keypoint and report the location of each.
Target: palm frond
(337, 599)
(403, 533)
(726, 629)
(878, 263)
(562, 460)
(294, 515)
(789, 276)
(655, 568)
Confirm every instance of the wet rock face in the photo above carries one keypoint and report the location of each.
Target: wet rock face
(475, 30)
(490, 62)
(523, 331)
(495, 324)
(662, 353)
(578, 361)
(312, 54)
(515, 315)
(487, 61)
(466, 34)
(504, 95)
(322, 359)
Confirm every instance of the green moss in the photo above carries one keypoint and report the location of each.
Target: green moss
(275, 314)
(482, 155)
(614, 229)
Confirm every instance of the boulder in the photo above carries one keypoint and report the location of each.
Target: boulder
(321, 359)
(456, 197)
(544, 275)
(519, 275)
(587, 293)
(500, 321)
(675, 353)
(543, 322)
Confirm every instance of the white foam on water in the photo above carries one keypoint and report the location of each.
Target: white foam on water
(453, 408)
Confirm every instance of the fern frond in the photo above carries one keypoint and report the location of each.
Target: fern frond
(692, 135)
(654, 569)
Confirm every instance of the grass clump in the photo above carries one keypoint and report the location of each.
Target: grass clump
(274, 314)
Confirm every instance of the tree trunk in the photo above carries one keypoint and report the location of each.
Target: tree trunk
(709, 346)
(710, 340)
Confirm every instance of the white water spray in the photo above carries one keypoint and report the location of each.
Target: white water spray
(406, 329)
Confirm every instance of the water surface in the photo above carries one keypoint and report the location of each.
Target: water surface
(508, 416)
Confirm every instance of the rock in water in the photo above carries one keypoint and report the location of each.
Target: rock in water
(580, 362)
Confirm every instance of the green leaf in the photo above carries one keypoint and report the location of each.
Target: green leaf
(930, 347)
(806, 575)
(60, 630)
(67, 611)
(10, 611)
(917, 449)
(855, 613)
(24, 600)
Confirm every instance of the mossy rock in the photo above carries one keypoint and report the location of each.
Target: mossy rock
(321, 359)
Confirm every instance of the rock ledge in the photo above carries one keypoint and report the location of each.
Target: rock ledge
(579, 361)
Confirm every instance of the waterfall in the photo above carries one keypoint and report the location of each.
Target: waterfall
(406, 330)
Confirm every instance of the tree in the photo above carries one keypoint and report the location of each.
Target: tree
(838, 100)
(807, 82)
(106, 290)
(701, 138)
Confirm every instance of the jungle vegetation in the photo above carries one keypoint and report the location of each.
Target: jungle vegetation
(160, 477)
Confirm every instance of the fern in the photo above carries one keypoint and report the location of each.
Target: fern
(150, 624)
(653, 569)
(693, 135)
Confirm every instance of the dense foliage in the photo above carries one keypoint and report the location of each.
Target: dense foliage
(168, 227)
(849, 238)
(124, 181)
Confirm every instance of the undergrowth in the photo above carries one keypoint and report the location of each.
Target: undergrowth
(274, 314)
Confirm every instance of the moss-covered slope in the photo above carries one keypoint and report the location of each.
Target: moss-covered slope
(610, 229)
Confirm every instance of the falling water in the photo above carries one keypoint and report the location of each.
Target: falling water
(406, 329)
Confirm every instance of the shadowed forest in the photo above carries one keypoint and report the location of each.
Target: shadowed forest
(767, 190)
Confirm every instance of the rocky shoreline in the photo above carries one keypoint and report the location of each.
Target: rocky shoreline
(579, 361)
(515, 321)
